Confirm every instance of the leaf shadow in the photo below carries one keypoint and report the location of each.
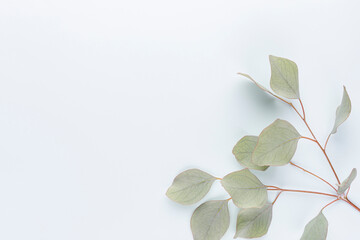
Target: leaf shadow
(262, 101)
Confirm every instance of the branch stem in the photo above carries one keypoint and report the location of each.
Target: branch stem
(347, 192)
(330, 203)
(327, 158)
(308, 139)
(303, 110)
(314, 175)
(327, 140)
(302, 191)
(349, 202)
(277, 197)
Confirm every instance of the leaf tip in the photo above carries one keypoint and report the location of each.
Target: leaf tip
(272, 57)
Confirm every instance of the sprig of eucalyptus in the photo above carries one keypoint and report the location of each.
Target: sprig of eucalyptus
(275, 146)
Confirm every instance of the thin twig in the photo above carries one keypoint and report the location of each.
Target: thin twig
(330, 203)
(347, 193)
(313, 175)
(277, 197)
(291, 105)
(327, 158)
(327, 140)
(309, 139)
(303, 191)
(349, 202)
(273, 187)
(302, 107)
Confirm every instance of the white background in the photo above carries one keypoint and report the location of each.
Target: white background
(103, 103)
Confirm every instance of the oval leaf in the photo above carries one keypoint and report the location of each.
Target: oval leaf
(245, 189)
(343, 111)
(284, 77)
(210, 220)
(243, 151)
(347, 182)
(316, 229)
(276, 144)
(190, 186)
(253, 222)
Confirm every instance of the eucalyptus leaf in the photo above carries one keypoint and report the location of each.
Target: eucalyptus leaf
(316, 229)
(243, 151)
(190, 186)
(347, 182)
(210, 220)
(245, 189)
(256, 83)
(253, 222)
(343, 111)
(284, 77)
(276, 145)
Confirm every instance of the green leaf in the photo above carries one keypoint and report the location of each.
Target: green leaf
(256, 83)
(245, 189)
(243, 151)
(347, 182)
(253, 222)
(190, 186)
(316, 229)
(284, 77)
(210, 220)
(276, 145)
(343, 111)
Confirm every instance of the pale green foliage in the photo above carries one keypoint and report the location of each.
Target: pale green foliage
(245, 189)
(343, 111)
(243, 151)
(316, 229)
(210, 220)
(253, 222)
(284, 77)
(276, 145)
(347, 182)
(190, 186)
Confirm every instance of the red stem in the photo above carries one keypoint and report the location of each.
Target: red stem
(314, 175)
(302, 107)
(349, 202)
(308, 138)
(330, 203)
(277, 197)
(347, 193)
(302, 191)
(327, 140)
(327, 158)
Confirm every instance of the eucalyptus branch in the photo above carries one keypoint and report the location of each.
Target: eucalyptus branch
(274, 146)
